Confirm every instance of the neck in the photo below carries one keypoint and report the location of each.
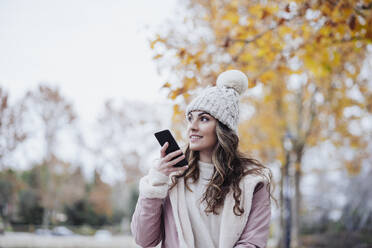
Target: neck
(205, 157)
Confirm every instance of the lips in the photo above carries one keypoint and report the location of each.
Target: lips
(195, 137)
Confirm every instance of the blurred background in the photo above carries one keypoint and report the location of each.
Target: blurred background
(84, 84)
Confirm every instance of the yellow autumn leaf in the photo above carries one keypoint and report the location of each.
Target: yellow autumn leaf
(166, 85)
(284, 30)
(256, 10)
(232, 17)
(189, 83)
(175, 93)
(157, 56)
(267, 76)
(156, 40)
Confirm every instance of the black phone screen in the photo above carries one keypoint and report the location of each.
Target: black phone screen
(166, 136)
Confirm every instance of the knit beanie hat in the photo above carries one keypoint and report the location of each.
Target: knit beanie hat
(222, 100)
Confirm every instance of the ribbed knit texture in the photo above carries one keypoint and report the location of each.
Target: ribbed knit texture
(190, 220)
(222, 101)
(206, 227)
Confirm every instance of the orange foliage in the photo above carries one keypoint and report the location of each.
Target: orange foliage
(321, 43)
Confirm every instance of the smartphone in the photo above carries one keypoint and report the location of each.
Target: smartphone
(166, 136)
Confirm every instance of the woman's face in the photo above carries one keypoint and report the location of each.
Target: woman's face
(201, 131)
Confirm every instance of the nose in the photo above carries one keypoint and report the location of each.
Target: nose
(193, 125)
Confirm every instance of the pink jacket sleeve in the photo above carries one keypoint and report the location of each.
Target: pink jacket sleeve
(147, 223)
(256, 231)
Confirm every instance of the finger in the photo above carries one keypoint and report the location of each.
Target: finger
(180, 170)
(175, 161)
(163, 149)
(172, 155)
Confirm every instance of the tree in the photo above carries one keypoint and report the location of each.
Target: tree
(124, 134)
(304, 59)
(100, 196)
(9, 185)
(125, 147)
(73, 187)
(49, 114)
(12, 133)
(30, 210)
(357, 212)
(82, 212)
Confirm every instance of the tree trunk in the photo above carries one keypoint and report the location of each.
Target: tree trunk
(296, 210)
(297, 201)
(46, 215)
(282, 223)
(5, 215)
(286, 216)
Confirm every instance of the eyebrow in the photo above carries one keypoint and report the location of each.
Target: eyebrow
(200, 114)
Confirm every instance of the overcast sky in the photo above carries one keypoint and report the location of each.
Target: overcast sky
(91, 49)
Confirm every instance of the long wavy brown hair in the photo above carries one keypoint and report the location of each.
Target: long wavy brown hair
(230, 166)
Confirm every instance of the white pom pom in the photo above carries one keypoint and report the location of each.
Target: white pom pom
(234, 79)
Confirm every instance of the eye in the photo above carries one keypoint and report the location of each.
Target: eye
(189, 118)
(204, 118)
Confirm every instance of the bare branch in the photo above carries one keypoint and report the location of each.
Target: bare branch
(255, 37)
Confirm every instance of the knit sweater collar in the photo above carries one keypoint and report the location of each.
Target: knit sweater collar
(205, 169)
(205, 164)
(231, 226)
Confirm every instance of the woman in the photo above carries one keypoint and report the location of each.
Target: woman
(221, 198)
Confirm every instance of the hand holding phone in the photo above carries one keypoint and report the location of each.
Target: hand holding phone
(172, 151)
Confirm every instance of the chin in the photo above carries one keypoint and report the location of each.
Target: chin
(194, 148)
